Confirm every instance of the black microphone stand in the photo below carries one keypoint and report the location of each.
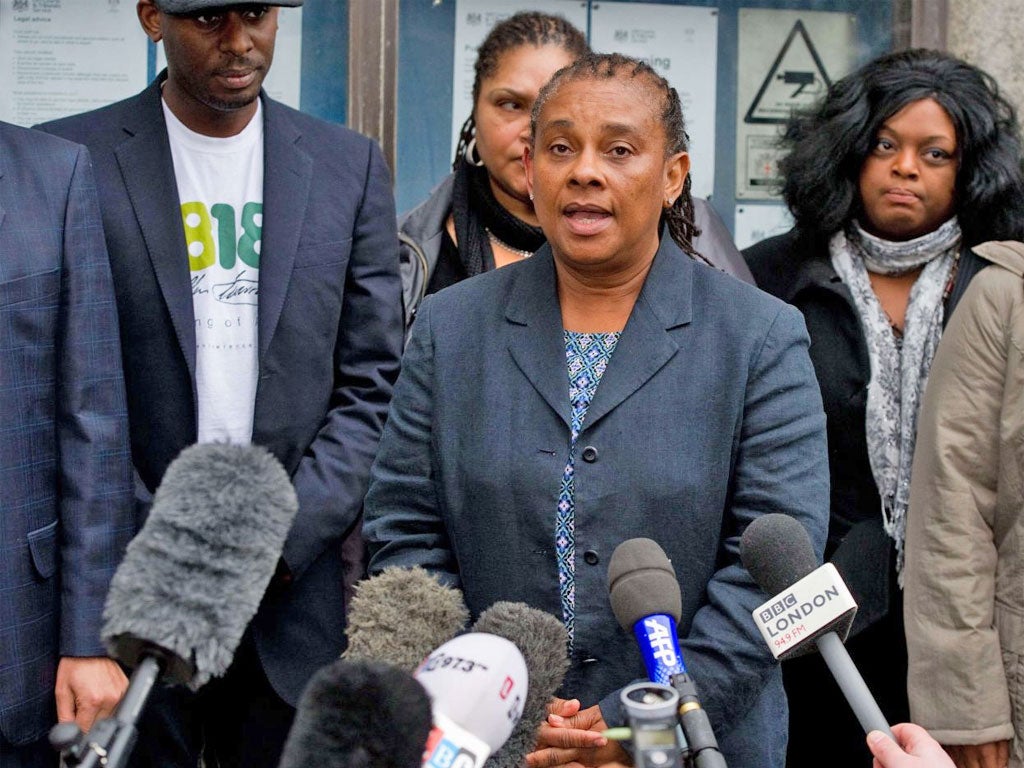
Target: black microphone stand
(110, 741)
(700, 739)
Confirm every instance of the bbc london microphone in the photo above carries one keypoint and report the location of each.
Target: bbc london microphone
(811, 607)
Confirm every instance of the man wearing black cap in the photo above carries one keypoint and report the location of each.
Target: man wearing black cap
(254, 256)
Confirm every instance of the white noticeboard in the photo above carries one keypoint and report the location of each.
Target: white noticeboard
(473, 20)
(681, 44)
(61, 57)
(284, 81)
(787, 61)
(757, 222)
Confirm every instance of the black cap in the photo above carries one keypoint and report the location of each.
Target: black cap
(191, 6)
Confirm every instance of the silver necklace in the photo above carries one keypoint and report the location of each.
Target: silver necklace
(501, 244)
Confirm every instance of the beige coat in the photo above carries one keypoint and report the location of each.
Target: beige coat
(964, 574)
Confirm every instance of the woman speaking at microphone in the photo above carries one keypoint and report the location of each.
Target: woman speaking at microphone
(481, 216)
(610, 387)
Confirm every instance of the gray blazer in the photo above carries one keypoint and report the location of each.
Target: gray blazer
(707, 416)
(421, 230)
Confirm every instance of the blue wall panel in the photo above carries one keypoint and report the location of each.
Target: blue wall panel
(325, 59)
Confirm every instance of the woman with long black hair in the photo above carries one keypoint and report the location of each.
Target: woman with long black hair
(905, 164)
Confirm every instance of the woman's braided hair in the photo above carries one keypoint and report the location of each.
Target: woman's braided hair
(594, 66)
(525, 28)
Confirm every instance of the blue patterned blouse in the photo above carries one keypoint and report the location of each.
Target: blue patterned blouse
(586, 358)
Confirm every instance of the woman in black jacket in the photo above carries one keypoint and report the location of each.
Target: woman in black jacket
(904, 166)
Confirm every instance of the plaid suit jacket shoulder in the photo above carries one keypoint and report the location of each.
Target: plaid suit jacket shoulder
(65, 472)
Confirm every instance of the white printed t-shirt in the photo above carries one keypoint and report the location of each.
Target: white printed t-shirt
(220, 185)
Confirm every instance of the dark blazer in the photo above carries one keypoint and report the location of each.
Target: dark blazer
(708, 415)
(65, 474)
(330, 335)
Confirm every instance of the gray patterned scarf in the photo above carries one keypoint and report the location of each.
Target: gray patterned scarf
(898, 371)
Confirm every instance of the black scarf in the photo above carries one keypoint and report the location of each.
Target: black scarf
(475, 211)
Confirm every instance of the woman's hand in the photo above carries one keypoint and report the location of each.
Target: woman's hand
(572, 738)
(995, 754)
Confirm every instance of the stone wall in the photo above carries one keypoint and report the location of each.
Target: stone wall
(990, 35)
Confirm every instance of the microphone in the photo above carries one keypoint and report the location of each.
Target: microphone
(478, 684)
(646, 600)
(812, 607)
(542, 640)
(401, 615)
(189, 583)
(358, 714)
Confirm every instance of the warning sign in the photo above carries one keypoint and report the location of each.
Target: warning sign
(787, 61)
(796, 79)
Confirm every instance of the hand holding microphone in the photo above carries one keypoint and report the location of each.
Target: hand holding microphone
(914, 749)
(98, 677)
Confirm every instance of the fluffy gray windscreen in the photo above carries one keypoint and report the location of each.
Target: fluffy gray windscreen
(401, 615)
(193, 577)
(541, 638)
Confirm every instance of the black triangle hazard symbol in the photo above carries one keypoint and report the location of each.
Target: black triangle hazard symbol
(795, 80)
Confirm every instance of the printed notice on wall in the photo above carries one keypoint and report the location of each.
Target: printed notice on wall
(787, 61)
(473, 20)
(284, 80)
(759, 221)
(681, 44)
(61, 57)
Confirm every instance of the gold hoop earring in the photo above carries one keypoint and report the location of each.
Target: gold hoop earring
(471, 155)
